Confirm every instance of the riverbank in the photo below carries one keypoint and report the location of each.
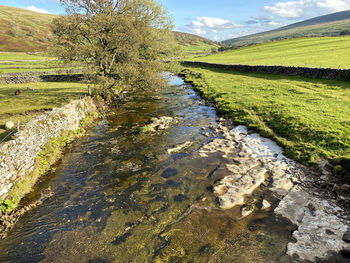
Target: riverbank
(308, 117)
(34, 149)
(253, 166)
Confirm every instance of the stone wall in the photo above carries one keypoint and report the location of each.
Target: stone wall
(43, 77)
(17, 156)
(323, 73)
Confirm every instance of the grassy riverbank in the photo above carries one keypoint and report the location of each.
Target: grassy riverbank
(308, 117)
(324, 52)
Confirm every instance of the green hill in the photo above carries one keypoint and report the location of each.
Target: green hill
(333, 52)
(195, 46)
(335, 24)
(23, 30)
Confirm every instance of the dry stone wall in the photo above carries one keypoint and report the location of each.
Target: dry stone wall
(17, 156)
(34, 77)
(322, 73)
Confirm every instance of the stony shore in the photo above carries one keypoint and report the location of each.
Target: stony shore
(251, 162)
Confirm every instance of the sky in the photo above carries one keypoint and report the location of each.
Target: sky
(221, 19)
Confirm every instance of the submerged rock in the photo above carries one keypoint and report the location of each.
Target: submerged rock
(169, 172)
(162, 123)
(179, 147)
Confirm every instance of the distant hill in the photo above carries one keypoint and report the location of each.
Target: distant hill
(335, 24)
(23, 30)
(190, 39)
(194, 45)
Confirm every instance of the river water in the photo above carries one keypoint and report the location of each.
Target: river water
(119, 197)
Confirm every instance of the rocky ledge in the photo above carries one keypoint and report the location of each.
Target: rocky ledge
(251, 162)
(17, 156)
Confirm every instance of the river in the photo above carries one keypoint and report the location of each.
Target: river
(120, 197)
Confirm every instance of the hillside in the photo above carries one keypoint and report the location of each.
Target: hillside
(329, 25)
(333, 52)
(195, 46)
(23, 30)
(27, 31)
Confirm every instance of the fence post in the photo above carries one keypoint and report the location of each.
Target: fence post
(18, 125)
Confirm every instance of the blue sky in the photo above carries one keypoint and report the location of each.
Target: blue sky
(222, 19)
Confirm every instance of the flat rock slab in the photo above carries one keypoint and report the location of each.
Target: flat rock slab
(319, 229)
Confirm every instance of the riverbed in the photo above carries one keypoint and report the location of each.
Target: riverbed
(120, 195)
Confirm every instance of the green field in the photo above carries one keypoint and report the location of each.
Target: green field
(198, 50)
(46, 95)
(16, 62)
(333, 52)
(308, 117)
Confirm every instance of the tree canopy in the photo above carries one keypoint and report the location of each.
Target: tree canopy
(122, 42)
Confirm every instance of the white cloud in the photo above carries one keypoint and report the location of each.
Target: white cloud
(199, 31)
(307, 8)
(211, 27)
(38, 10)
(212, 22)
(272, 23)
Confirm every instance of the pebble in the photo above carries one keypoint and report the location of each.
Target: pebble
(345, 187)
(346, 236)
(265, 205)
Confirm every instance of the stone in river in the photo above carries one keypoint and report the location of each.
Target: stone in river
(169, 172)
(346, 236)
(180, 198)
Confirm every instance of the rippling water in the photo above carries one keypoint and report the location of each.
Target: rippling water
(119, 197)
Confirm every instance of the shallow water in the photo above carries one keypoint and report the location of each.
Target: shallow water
(119, 197)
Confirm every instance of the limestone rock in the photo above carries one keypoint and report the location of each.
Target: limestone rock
(162, 123)
(319, 230)
(179, 148)
(265, 205)
(9, 125)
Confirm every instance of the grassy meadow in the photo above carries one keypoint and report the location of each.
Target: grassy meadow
(198, 50)
(17, 62)
(308, 117)
(46, 95)
(332, 52)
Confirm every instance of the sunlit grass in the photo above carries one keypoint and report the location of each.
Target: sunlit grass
(333, 52)
(309, 117)
(46, 95)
